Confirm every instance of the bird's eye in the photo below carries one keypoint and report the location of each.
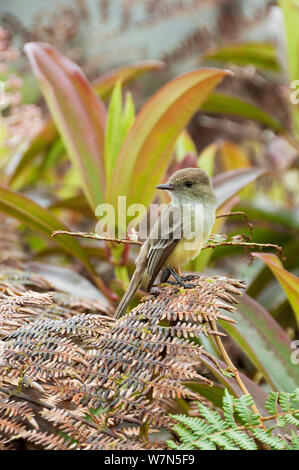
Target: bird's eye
(188, 184)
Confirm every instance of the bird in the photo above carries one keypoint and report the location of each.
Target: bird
(179, 233)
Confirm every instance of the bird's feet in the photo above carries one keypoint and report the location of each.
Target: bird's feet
(179, 281)
(190, 277)
(182, 284)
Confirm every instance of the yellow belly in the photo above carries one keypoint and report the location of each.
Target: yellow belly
(183, 252)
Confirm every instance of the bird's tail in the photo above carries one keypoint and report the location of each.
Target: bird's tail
(129, 294)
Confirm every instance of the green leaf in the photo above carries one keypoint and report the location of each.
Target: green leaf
(118, 125)
(265, 343)
(103, 87)
(228, 184)
(147, 149)
(233, 105)
(78, 114)
(288, 281)
(206, 158)
(260, 54)
(184, 145)
(113, 139)
(43, 221)
(271, 402)
(290, 11)
(214, 394)
(128, 116)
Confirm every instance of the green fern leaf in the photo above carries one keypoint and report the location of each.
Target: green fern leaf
(213, 417)
(242, 439)
(228, 409)
(247, 416)
(265, 437)
(271, 402)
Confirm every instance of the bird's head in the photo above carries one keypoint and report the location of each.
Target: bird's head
(190, 185)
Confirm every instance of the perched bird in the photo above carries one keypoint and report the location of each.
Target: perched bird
(179, 232)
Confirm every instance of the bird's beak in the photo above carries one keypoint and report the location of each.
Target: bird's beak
(165, 187)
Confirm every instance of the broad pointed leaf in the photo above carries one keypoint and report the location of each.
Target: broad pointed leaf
(78, 114)
(114, 131)
(146, 152)
(103, 87)
(206, 158)
(233, 105)
(260, 54)
(289, 282)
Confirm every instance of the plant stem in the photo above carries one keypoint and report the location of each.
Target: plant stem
(233, 369)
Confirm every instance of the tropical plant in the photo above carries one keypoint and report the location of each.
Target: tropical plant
(239, 427)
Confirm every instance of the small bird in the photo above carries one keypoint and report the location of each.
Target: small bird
(178, 234)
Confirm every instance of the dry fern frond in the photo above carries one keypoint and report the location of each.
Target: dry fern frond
(26, 297)
(128, 368)
(16, 310)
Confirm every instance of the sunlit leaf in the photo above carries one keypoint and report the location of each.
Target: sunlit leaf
(289, 282)
(103, 87)
(206, 158)
(232, 105)
(290, 11)
(265, 343)
(184, 145)
(128, 116)
(114, 129)
(232, 156)
(260, 54)
(146, 152)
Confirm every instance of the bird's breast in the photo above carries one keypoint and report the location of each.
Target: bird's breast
(190, 245)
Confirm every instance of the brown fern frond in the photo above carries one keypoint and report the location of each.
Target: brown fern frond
(16, 310)
(26, 297)
(128, 368)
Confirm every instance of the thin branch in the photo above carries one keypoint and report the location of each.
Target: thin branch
(95, 236)
(259, 246)
(232, 368)
(250, 225)
(126, 241)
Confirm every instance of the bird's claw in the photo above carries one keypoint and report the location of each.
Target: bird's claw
(181, 284)
(188, 286)
(189, 277)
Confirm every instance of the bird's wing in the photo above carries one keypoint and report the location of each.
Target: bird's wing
(163, 239)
